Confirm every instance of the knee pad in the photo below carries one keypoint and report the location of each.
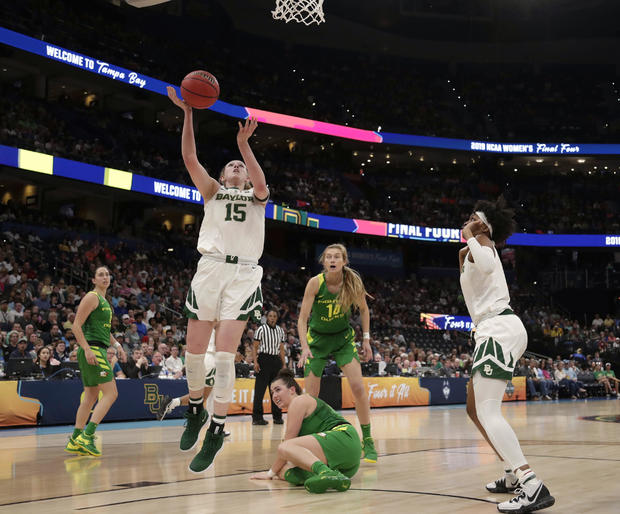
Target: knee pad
(209, 369)
(224, 377)
(195, 371)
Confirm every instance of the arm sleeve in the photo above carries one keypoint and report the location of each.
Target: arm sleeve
(483, 255)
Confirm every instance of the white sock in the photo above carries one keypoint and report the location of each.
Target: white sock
(510, 477)
(176, 402)
(527, 479)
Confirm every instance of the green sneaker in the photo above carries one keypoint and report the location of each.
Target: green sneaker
(72, 447)
(328, 479)
(369, 454)
(193, 424)
(87, 443)
(297, 476)
(204, 458)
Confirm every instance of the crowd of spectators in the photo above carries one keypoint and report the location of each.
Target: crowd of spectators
(37, 309)
(463, 100)
(577, 376)
(324, 178)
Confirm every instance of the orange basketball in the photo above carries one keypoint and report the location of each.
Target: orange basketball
(200, 89)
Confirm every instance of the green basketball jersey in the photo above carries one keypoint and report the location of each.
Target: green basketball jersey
(322, 419)
(327, 316)
(97, 325)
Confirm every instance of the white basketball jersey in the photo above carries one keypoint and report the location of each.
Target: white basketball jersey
(234, 224)
(485, 294)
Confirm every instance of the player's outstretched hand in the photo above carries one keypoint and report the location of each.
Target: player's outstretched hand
(172, 94)
(246, 129)
(263, 475)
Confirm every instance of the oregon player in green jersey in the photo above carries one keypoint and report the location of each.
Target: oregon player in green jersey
(321, 449)
(92, 330)
(330, 296)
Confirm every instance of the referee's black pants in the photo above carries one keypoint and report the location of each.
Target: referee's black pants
(269, 367)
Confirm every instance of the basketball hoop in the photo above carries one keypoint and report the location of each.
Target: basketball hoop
(301, 11)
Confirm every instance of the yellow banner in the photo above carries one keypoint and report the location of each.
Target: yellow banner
(388, 392)
(243, 397)
(517, 392)
(14, 409)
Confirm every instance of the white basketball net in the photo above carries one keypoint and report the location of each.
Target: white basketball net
(301, 11)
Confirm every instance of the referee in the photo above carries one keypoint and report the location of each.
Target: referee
(269, 351)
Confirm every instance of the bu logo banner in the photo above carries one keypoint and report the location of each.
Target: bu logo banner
(152, 397)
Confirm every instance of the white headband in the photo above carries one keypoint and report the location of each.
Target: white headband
(484, 220)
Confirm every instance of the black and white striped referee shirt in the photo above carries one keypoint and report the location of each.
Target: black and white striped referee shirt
(270, 339)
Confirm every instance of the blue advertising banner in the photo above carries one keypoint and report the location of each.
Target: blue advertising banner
(137, 399)
(445, 390)
(50, 165)
(446, 322)
(132, 78)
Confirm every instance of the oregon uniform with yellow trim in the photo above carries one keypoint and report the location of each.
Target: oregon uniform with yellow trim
(329, 332)
(338, 439)
(96, 330)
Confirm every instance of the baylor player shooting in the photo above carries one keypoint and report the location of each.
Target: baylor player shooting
(330, 296)
(321, 449)
(226, 285)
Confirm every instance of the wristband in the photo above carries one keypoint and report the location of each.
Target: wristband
(366, 335)
(270, 473)
(117, 345)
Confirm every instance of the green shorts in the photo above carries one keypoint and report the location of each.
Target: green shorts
(342, 448)
(94, 375)
(341, 345)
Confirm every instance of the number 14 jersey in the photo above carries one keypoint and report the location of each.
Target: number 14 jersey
(233, 224)
(327, 316)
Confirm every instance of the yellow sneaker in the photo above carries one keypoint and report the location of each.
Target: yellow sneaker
(72, 447)
(87, 443)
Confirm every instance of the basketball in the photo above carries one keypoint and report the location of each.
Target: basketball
(200, 89)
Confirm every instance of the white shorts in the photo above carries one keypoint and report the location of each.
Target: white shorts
(223, 291)
(500, 342)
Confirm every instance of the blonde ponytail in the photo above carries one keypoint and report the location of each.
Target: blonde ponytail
(352, 291)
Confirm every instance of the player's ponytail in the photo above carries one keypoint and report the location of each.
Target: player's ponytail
(353, 289)
(288, 378)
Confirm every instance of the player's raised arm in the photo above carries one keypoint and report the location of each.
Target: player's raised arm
(255, 172)
(206, 184)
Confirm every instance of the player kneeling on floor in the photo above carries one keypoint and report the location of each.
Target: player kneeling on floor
(321, 450)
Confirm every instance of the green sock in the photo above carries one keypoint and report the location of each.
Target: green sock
(318, 467)
(76, 432)
(366, 431)
(90, 428)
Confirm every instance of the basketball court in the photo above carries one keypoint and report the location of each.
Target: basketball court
(432, 459)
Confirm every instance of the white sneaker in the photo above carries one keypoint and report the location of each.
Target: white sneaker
(523, 502)
(165, 408)
(501, 485)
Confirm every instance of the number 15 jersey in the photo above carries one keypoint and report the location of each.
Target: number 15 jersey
(233, 224)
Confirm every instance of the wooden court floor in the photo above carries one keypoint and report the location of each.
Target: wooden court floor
(431, 460)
